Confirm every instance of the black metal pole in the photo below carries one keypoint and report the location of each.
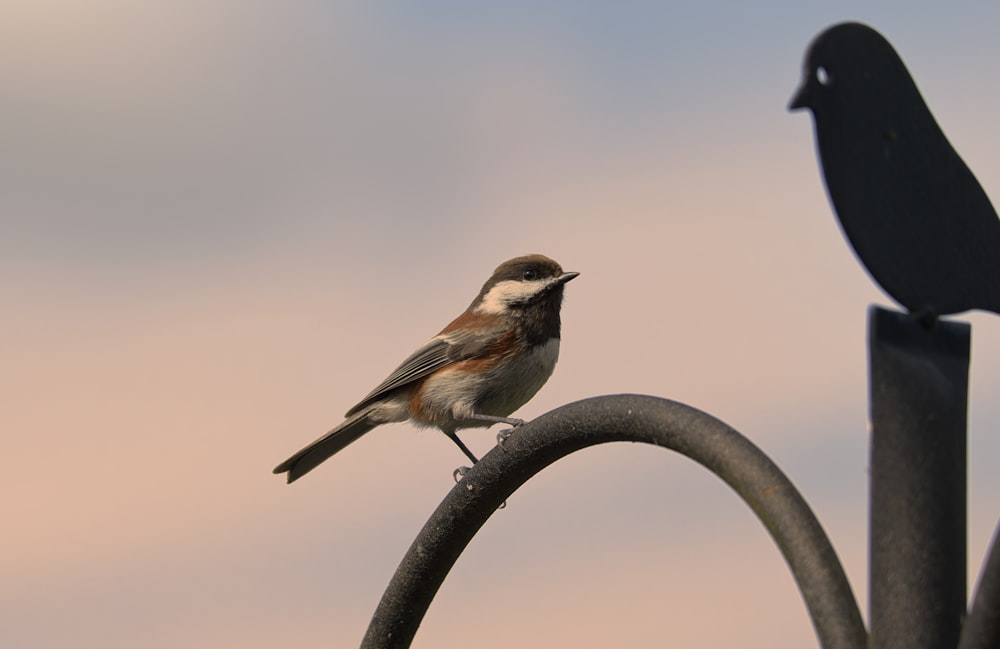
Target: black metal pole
(919, 395)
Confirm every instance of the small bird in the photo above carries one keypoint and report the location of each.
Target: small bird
(482, 367)
(913, 211)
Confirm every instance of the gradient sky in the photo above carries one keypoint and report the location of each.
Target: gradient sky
(223, 222)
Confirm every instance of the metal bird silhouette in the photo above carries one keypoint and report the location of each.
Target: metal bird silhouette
(913, 211)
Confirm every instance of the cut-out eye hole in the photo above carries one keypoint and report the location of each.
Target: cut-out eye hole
(529, 275)
(823, 76)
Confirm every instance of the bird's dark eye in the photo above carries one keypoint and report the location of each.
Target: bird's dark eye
(529, 275)
(823, 76)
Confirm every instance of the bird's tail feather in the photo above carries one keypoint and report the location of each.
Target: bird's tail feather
(323, 448)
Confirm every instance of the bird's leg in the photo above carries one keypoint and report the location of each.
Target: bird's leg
(506, 432)
(501, 438)
(465, 449)
(499, 420)
(462, 470)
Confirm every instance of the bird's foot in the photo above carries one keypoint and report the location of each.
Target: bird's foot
(503, 436)
(459, 473)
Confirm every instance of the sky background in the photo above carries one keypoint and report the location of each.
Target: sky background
(223, 222)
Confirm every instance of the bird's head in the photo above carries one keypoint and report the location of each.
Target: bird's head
(520, 283)
(849, 68)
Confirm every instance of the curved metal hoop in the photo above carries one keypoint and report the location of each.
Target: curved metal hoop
(633, 418)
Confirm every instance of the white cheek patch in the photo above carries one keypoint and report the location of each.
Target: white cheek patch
(503, 294)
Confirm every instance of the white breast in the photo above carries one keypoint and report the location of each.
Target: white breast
(498, 392)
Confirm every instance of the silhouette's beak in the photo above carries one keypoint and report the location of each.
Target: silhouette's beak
(800, 99)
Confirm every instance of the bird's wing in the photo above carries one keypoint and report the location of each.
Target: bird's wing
(442, 350)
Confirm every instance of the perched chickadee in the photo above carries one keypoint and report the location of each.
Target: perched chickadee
(482, 367)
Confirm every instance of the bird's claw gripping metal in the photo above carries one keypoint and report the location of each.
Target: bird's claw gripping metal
(503, 436)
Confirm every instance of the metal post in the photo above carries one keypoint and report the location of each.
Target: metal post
(919, 394)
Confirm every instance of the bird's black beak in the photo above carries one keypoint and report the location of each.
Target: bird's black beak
(800, 99)
(565, 277)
